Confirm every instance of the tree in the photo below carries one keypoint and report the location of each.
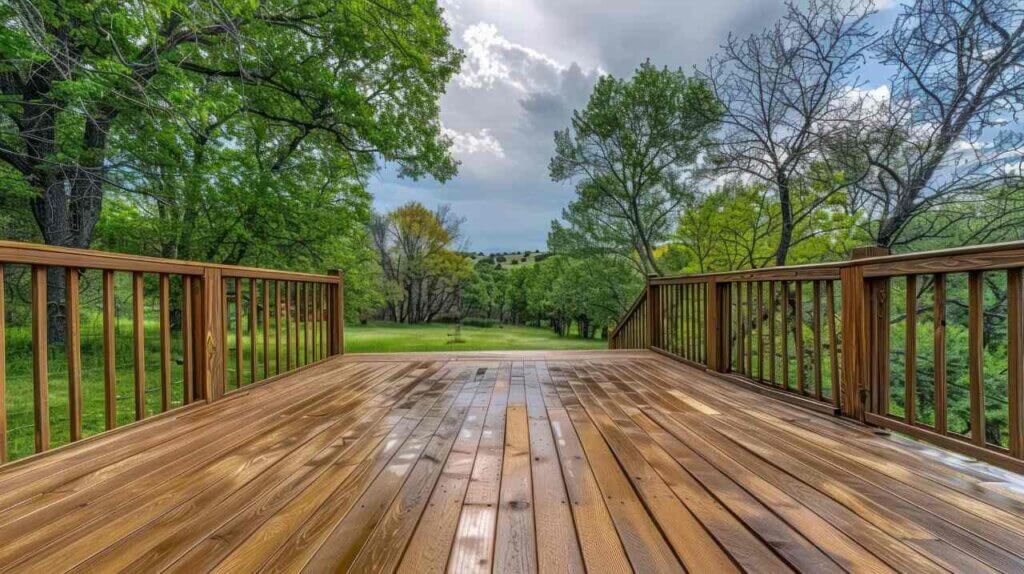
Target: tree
(787, 93)
(629, 152)
(943, 131)
(360, 79)
(415, 248)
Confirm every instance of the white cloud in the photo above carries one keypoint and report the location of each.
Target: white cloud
(491, 59)
(467, 143)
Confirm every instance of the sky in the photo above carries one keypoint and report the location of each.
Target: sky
(529, 64)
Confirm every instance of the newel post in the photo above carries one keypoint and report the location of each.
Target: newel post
(337, 314)
(652, 310)
(713, 326)
(208, 334)
(859, 327)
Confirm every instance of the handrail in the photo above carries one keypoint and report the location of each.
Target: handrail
(629, 311)
(824, 335)
(257, 324)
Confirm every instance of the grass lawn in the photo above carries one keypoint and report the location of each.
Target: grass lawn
(396, 338)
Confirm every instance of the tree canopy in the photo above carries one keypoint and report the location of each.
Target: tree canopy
(629, 152)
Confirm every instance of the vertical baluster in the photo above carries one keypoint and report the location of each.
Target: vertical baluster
(288, 324)
(109, 345)
(73, 345)
(225, 323)
(165, 342)
(833, 344)
(3, 369)
(784, 312)
(691, 326)
(324, 321)
(277, 327)
(882, 290)
(816, 331)
(939, 311)
(771, 332)
(239, 363)
(910, 352)
(139, 346)
(702, 311)
(40, 392)
(187, 362)
(318, 320)
(300, 324)
(252, 330)
(298, 318)
(676, 337)
(266, 329)
(1015, 356)
(760, 330)
(798, 333)
(976, 355)
(751, 328)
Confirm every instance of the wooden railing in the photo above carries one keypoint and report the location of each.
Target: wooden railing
(215, 327)
(926, 344)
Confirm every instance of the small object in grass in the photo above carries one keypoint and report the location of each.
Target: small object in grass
(455, 334)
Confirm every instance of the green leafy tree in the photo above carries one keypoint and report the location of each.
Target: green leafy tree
(86, 85)
(629, 151)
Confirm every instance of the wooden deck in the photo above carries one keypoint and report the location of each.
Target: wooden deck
(558, 462)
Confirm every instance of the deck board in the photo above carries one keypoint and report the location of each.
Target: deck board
(507, 461)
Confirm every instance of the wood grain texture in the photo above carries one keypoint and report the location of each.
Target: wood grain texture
(73, 346)
(109, 351)
(596, 461)
(40, 367)
(139, 344)
(3, 368)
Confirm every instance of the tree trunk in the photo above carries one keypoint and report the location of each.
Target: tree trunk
(67, 209)
(786, 232)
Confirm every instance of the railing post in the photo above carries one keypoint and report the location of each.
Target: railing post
(208, 335)
(337, 314)
(713, 326)
(652, 312)
(859, 324)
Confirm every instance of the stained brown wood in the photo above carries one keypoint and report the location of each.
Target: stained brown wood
(40, 391)
(252, 330)
(910, 351)
(266, 328)
(760, 331)
(1015, 360)
(798, 335)
(784, 331)
(165, 342)
(833, 343)
(139, 344)
(816, 333)
(3, 368)
(279, 318)
(939, 367)
(239, 365)
(288, 326)
(549, 461)
(213, 312)
(73, 350)
(109, 348)
(187, 342)
(976, 355)
(771, 333)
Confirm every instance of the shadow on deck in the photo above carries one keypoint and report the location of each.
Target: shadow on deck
(557, 461)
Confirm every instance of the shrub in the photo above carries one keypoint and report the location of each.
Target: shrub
(480, 322)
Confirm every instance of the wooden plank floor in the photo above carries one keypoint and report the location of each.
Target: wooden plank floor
(512, 462)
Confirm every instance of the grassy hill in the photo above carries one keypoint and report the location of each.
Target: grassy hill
(510, 259)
